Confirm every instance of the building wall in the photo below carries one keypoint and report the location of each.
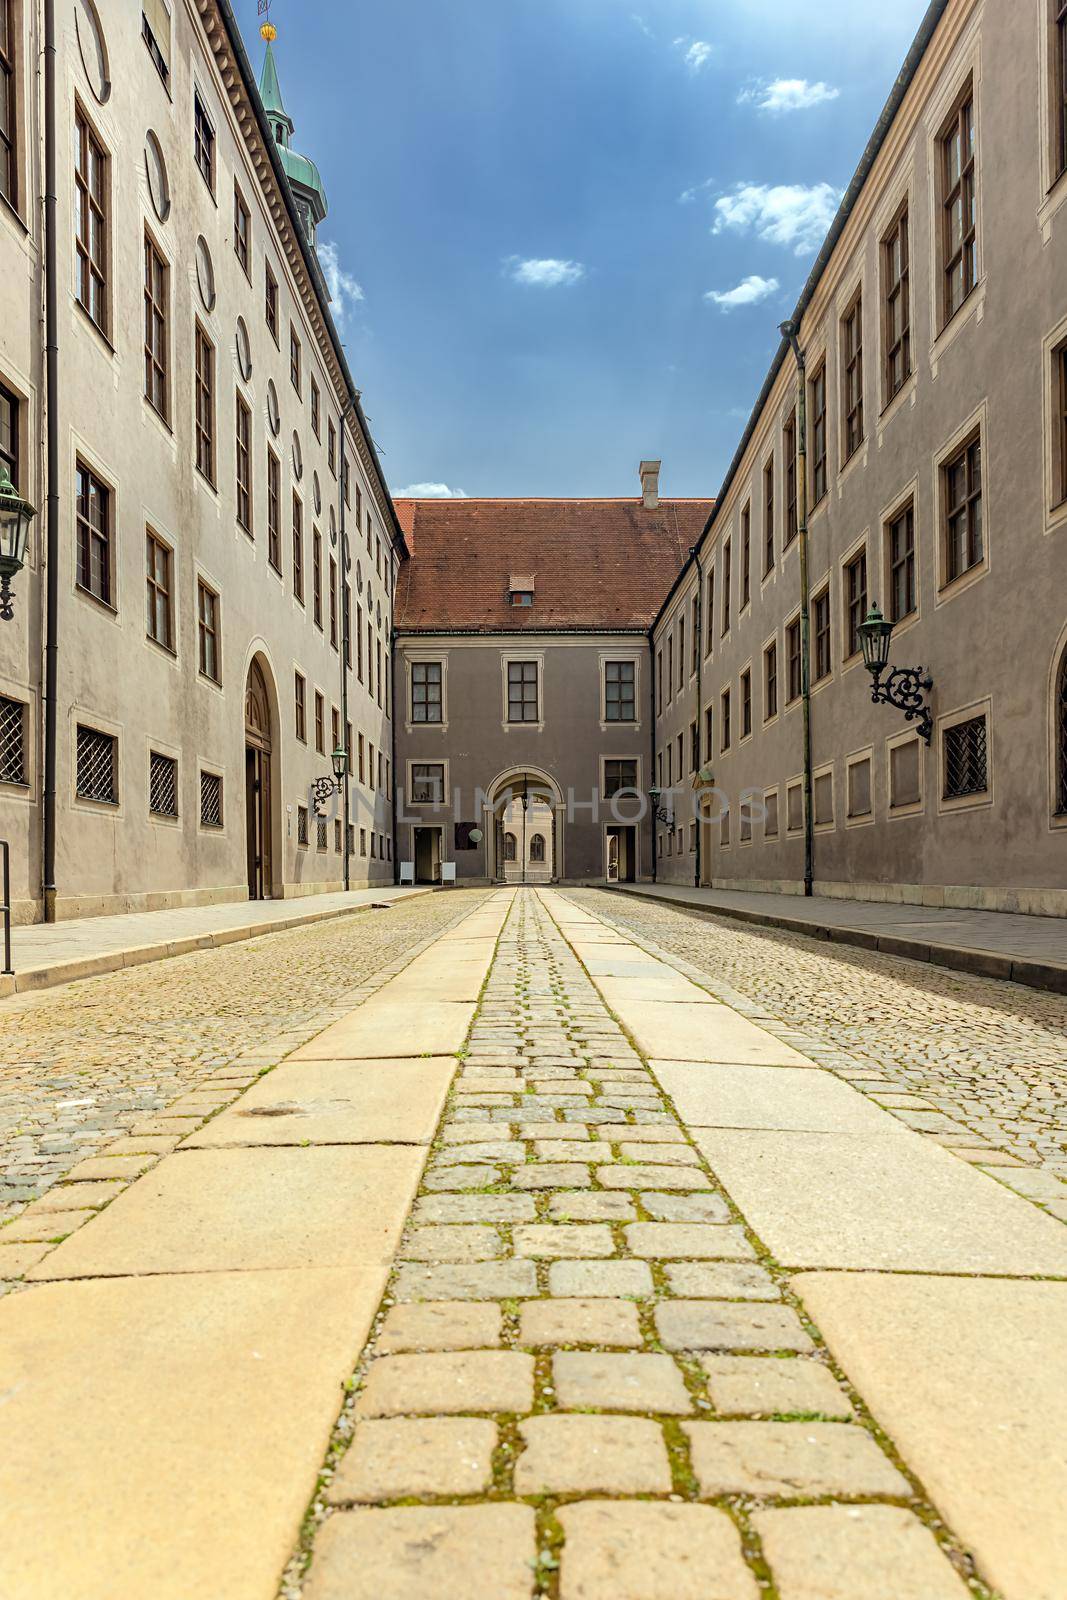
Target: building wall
(111, 675)
(993, 639)
(481, 750)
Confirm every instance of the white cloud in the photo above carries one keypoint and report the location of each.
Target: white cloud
(697, 51)
(640, 23)
(345, 292)
(792, 214)
(786, 94)
(749, 292)
(549, 273)
(687, 196)
(429, 491)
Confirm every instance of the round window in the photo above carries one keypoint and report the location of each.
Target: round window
(244, 350)
(92, 48)
(156, 172)
(274, 416)
(205, 274)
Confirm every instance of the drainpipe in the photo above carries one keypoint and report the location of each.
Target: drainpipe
(789, 332)
(698, 643)
(652, 738)
(51, 356)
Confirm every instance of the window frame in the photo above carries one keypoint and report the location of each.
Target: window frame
(529, 669)
(274, 510)
(725, 587)
(298, 548)
(243, 476)
(789, 467)
(622, 699)
(768, 516)
(94, 534)
(745, 598)
(949, 189)
(242, 231)
(204, 403)
(770, 680)
(436, 800)
(744, 696)
(156, 329)
(974, 532)
(421, 681)
(894, 246)
(300, 706)
(208, 632)
(853, 429)
(794, 663)
(92, 267)
(822, 637)
(271, 307)
(855, 600)
(947, 724)
(205, 142)
(907, 562)
(159, 587)
(10, 62)
(1059, 88)
(296, 360)
(819, 417)
(114, 799)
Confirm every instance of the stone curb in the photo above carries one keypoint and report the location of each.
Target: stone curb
(981, 963)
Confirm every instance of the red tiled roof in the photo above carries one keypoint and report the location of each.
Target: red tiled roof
(596, 563)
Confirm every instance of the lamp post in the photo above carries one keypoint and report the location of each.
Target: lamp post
(16, 515)
(903, 687)
(324, 787)
(524, 800)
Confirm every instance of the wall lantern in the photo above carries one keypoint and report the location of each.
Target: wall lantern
(903, 687)
(659, 813)
(16, 515)
(324, 787)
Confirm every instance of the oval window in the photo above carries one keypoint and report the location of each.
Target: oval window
(298, 459)
(92, 49)
(359, 578)
(316, 494)
(244, 350)
(156, 172)
(333, 527)
(205, 274)
(274, 416)
(379, 616)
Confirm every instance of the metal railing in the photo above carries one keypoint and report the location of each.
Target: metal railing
(5, 857)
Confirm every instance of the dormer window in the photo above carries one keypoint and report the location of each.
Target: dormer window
(520, 590)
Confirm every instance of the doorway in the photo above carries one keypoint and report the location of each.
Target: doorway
(258, 760)
(427, 855)
(621, 852)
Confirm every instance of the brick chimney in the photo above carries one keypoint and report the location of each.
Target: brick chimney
(650, 484)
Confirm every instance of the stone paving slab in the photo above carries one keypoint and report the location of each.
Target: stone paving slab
(709, 1095)
(652, 1552)
(844, 1553)
(695, 1032)
(388, 1027)
(447, 1552)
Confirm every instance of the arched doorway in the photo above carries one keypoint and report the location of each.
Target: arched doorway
(524, 843)
(258, 787)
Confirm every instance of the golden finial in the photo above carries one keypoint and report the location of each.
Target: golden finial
(268, 32)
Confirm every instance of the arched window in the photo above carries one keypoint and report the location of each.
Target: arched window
(1059, 712)
(509, 847)
(537, 847)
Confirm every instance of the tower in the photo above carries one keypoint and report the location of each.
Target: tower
(302, 173)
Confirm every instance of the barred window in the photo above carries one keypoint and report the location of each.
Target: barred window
(959, 271)
(91, 201)
(93, 523)
(620, 773)
(852, 375)
(242, 230)
(97, 777)
(522, 691)
(159, 600)
(302, 825)
(203, 142)
(902, 596)
(620, 703)
(820, 622)
(13, 723)
(965, 758)
(162, 785)
(207, 606)
(962, 491)
(156, 274)
(210, 800)
(896, 301)
(322, 834)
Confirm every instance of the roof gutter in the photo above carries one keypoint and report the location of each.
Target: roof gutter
(922, 39)
(233, 33)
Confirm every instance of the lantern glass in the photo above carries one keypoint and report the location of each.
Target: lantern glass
(339, 758)
(875, 633)
(16, 515)
(654, 794)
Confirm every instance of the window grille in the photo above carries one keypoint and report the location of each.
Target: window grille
(12, 741)
(321, 840)
(96, 753)
(210, 800)
(301, 824)
(966, 764)
(162, 785)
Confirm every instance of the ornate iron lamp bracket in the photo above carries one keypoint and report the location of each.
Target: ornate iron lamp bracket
(904, 688)
(322, 789)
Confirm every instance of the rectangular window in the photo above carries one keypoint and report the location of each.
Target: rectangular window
(300, 706)
(322, 834)
(331, 446)
(823, 799)
(162, 785)
(1059, 17)
(361, 758)
(8, 104)
(900, 549)
(709, 611)
(298, 548)
(243, 457)
(333, 602)
(316, 577)
(320, 723)
(794, 678)
(427, 782)
(670, 668)
(680, 653)
(97, 766)
(746, 556)
(694, 631)
(204, 362)
(160, 615)
(620, 691)
(9, 434)
(961, 478)
(242, 230)
(522, 691)
(91, 208)
(207, 624)
(270, 300)
(301, 825)
(316, 410)
(155, 328)
(905, 774)
(859, 788)
(378, 662)
(724, 720)
(852, 376)
(274, 510)
(203, 142)
(789, 464)
(694, 747)
(426, 691)
(727, 584)
(210, 800)
(855, 602)
(896, 305)
(770, 820)
(965, 759)
(13, 726)
(768, 517)
(959, 212)
(295, 358)
(335, 727)
(709, 732)
(155, 31)
(820, 626)
(746, 703)
(1059, 413)
(93, 523)
(770, 681)
(819, 477)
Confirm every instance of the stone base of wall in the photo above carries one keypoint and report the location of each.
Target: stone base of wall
(70, 908)
(957, 897)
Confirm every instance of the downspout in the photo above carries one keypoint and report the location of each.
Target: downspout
(51, 354)
(789, 331)
(652, 739)
(698, 644)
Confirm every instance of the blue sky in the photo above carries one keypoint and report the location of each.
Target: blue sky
(533, 204)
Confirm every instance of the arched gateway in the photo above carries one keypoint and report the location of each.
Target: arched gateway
(259, 760)
(524, 843)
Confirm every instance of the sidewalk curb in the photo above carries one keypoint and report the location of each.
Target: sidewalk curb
(981, 963)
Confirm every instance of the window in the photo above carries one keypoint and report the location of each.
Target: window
(160, 623)
(961, 478)
(300, 706)
(427, 782)
(13, 726)
(509, 847)
(794, 679)
(242, 230)
(210, 800)
(207, 626)
(537, 847)
(97, 766)
(959, 261)
(322, 834)
(746, 703)
(155, 30)
(770, 819)
(205, 404)
(333, 602)
(789, 462)
(855, 602)
(361, 757)
(203, 142)
(426, 691)
(316, 410)
(270, 301)
(818, 436)
(243, 457)
(694, 630)
(620, 691)
(1060, 738)
(522, 691)
(964, 753)
(8, 104)
(768, 517)
(620, 774)
(363, 841)
(274, 510)
(823, 799)
(155, 328)
(709, 630)
(794, 807)
(295, 358)
(302, 825)
(1059, 17)
(320, 723)
(659, 682)
(335, 727)
(724, 720)
(670, 668)
(680, 653)
(727, 579)
(93, 522)
(859, 787)
(820, 621)
(91, 200)
(298, 548)
(852, 376)
(905, 774)
(900, 540)
(378, 660)
(331, 446)
(694, 747)
(770, 681)
(9, 432)
(316, 577)
(896, 292)
(1059, 411)
(746, 556)
(162, 785)
(709, 732)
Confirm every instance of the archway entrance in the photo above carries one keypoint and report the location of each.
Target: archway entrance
(258, 762)
(524, 843)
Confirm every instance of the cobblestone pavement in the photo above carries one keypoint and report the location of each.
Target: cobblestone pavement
(587, 1379)
(976, 1063)
(98, 1061)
